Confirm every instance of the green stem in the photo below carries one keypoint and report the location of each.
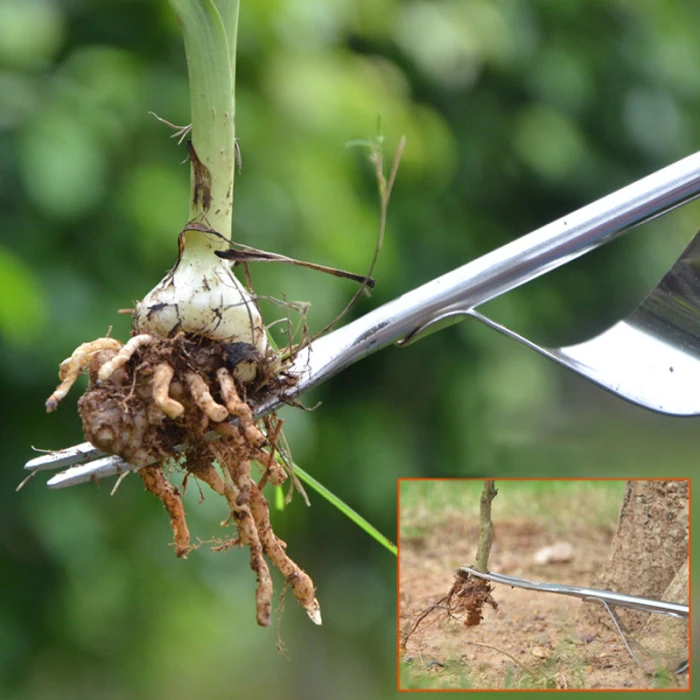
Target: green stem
(209, 28)
(228, 11)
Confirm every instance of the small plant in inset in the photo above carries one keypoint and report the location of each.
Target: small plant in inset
(200, 357)
(468, 595)
(477, 591)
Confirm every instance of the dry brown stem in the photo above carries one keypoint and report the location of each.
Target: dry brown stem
(468, 594)
(488, 493)
(477, 591)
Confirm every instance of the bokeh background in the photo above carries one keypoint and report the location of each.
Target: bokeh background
(515, 112)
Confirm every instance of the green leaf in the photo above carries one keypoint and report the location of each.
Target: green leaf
(345, 509)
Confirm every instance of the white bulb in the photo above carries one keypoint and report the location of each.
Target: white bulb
(204, 299)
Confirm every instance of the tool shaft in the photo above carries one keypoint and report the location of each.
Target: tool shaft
(446, 299)
(621, 600)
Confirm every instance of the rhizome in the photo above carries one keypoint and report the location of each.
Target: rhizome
(186, 400)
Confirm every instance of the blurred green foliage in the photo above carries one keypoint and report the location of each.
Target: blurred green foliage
(515, 111)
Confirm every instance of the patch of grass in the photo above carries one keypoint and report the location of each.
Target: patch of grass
(663, 678)
(547, 676)
(557, 504)
(414, 676)
(456, 676)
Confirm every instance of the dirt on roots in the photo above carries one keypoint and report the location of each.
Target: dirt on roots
(157, 403)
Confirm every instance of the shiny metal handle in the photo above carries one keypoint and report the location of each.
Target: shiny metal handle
(621, 600)
(448, 298)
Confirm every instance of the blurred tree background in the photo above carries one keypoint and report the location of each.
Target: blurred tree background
(515, 112)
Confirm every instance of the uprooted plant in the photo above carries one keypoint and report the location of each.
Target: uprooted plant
(199, 357)
(466, 598)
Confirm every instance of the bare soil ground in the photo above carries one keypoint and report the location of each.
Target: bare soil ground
(534, 639)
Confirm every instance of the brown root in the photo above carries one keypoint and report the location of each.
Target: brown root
(238, 408)
(203, 398)
(71, 368)
(211, 477)
(124, 355)
(162, 377)
(300, 582)
(249, 535)
(469, 595)
(273, 471)
(159, 486)
(112, 429)
(152, 395)
(464, 601)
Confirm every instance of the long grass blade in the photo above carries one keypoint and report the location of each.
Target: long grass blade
(345, 509)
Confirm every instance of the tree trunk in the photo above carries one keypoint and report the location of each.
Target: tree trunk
(648, 554)
(664, 636)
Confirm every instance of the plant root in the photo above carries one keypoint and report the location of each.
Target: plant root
(71, 368)
(162, 378)
(159, 486)
(200, 393)
(239, 409)
(464, 601)
(151, 396)
(469, 595)
(300, 582)
(124, 355)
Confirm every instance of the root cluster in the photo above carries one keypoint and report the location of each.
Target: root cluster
(464, 601)
(154, 399)
(468, 595)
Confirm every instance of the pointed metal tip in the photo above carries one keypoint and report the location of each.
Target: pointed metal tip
(77, 454)
(83, 473)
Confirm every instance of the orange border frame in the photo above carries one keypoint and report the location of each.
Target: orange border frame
(549, 690)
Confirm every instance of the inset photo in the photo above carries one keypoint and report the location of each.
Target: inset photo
(549, 584)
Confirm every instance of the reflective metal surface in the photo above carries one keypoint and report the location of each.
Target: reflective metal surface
(652, 358)
(453, 296)
(608, 599)
(449, 298)
(621, 600)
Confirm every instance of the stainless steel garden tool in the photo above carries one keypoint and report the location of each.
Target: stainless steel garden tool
(621, 600)
(609, 600)
(652, 358)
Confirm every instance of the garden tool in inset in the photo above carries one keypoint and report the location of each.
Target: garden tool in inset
(608, 599)
(651, 358)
